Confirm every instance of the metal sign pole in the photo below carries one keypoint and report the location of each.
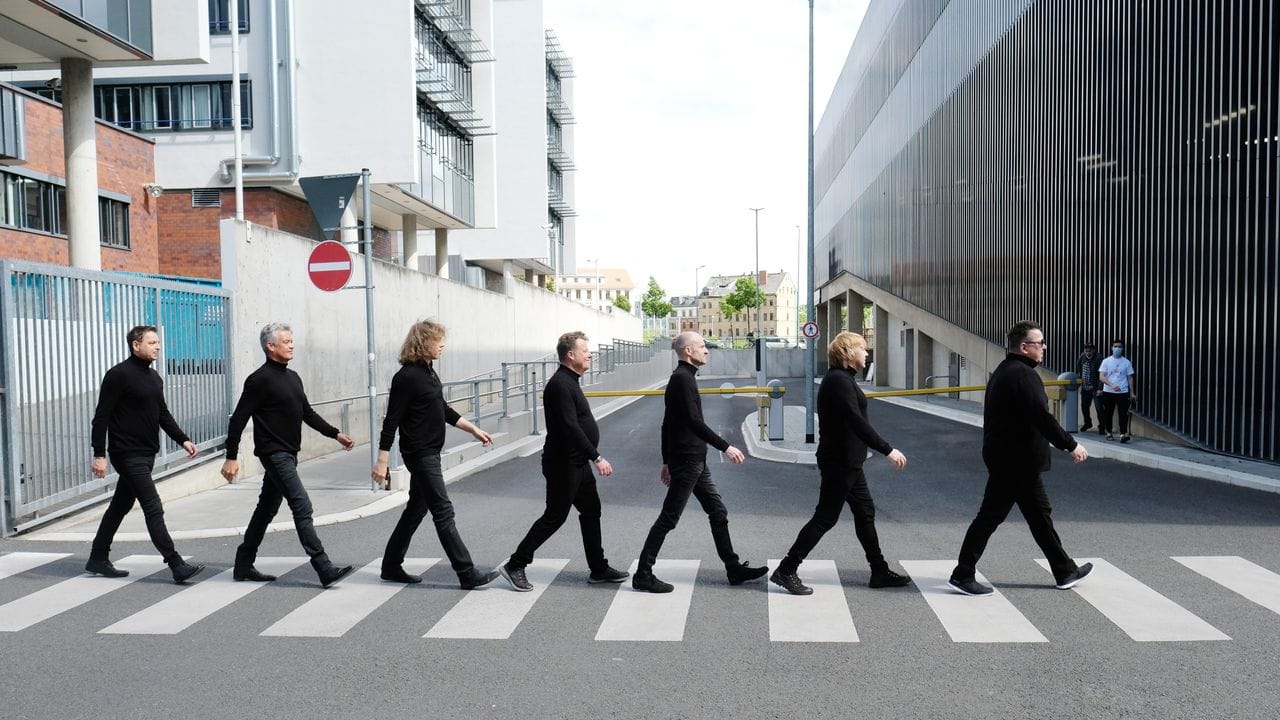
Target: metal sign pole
(368, 317)
(810, 358)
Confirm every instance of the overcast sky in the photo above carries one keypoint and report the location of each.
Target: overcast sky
(689, 112)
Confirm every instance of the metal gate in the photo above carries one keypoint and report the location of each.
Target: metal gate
(62, 330)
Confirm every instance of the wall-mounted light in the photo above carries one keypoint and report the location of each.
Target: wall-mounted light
(153, 189)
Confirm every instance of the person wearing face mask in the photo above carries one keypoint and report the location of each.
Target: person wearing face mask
(417, 410)
(1087, 369)
(1118, 392)
(844, 436)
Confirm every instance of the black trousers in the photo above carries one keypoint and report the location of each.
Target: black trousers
(427, 494)
(569, 485)
(1004, 490)
(135, 483)
(1086, 405)
(689, 476)
(281, 481)
(1110, 403)
(840, 485)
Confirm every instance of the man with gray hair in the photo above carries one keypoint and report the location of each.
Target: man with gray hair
(274, 398)
(685, 437)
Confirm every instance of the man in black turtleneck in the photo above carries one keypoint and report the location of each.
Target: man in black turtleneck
(274, 398)
(131, 411)
(567, 456)
(1016, 431)
(685, 437)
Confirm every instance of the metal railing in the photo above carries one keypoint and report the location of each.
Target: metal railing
(62, 330)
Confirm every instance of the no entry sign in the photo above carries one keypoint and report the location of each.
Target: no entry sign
(329, 266)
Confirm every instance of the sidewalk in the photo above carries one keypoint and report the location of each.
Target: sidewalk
(1139, 451)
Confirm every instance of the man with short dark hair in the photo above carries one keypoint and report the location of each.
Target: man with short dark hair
(273, 396)
(131, 411)
(571, 448)
(1016, 431)
(1087, 369)
(685, 437)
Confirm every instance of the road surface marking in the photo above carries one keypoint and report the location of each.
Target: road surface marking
(494, 613)
(55, 599)
(337, 609)
(820, 617)
(1254, 582)
(644, 616)
(987, 619)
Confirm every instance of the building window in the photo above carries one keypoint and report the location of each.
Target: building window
(113, 223)
(220, 16)
(167, 107)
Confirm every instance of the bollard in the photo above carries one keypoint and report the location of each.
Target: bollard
(1070, 403)
(777, 415)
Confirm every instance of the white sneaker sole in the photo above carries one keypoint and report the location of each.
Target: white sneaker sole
(506, 576)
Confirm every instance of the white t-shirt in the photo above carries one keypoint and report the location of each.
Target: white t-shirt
(1117, 371)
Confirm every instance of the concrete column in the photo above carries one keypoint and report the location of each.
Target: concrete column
(822, 316)
(80, 150)
(924, 358)
(409, 239)
(880, 319)
(508, 277)
(442, 252)
(834, 326)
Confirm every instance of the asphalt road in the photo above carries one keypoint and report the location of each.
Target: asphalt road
(905, 663)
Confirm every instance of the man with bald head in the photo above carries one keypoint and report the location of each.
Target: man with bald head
(685, 437)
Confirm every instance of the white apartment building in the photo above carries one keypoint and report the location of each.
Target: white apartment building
(776, 317)
(684, 315)
(599, 288)
(404, 88)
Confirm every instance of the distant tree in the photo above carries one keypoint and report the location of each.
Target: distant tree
(654, 303)
(551, 284)
(622, 303)
(746, 294)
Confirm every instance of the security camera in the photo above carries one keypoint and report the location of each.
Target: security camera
(153, 189)
(53, 83)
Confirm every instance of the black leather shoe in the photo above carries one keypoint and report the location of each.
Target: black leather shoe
(400, 576)
(888, 578)
(743, 572)
(477, 579)
(608, 574)
(790, 582)
(333, 574)
(648, 583)
(251, 574)
(104, 568)
(184, 571)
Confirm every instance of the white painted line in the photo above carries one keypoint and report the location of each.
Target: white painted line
(494, 614)
(820, 617)
(329, 266)
(68, 594)
(337, 609)
(1254, 582)
(987, 619)
(184, 609)
(1142, 613)
(20, 562)
(650, 617)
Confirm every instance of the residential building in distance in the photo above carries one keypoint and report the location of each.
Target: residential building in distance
(684, 315)
(777, 316)
(599, 288)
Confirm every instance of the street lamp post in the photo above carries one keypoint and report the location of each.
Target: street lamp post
(757, 278)
(697, 298)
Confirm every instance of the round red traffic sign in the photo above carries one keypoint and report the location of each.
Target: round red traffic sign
(810, 330)
(329, 266)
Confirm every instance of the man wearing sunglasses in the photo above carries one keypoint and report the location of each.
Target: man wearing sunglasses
(1017, 429)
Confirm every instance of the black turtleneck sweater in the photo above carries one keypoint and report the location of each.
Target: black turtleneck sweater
(274, 398)
(684, 434)
(572, 433)
(416, 408)
(1017, 426)
(131, 409)
(844, 433)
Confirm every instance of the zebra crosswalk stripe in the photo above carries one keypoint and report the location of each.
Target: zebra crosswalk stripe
(988, 619)
(1254, 582)
(644, 616)
(56, 599)
(820, 617)
(1142, 613)
(335, 610)
(184, 609)
(20, 562)
(494, 613)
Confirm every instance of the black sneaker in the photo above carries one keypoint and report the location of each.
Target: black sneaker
(184, 571)
(1126, 438)
(477, 579)
(1087, 427)
(648, 583)
(888, 578)
(516, 577)
(250, 573)
(790, 582)
(608, 575)
(104, 568)
(398, 575)
(333, 574)
(743, 572)
(1110, 436)
(969, 587)
(1075, 577)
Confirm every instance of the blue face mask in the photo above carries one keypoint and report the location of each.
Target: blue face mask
(1117, 351)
